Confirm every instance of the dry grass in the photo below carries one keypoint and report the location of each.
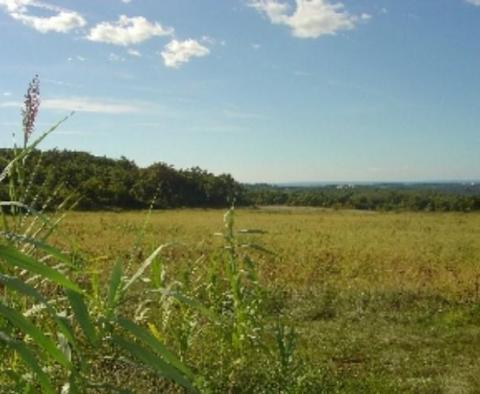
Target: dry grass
(383, 302)
(414, 252)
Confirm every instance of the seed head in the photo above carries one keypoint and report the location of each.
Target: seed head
(30, 108)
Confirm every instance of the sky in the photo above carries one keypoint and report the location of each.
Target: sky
(266, 90)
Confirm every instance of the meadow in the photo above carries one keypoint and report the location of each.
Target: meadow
(268, 300)
(380, 302)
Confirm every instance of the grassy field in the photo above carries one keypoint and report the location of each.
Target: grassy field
(381, 302)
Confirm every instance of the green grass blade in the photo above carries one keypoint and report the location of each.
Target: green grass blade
(114, 287)
(155, 344)
(25, 152)
(39, 245)
(144, 266)
(27, 327)
(30, 360)
(20, 260)
(194, 304)
(153, 361)
(80, 311)
(27, 290)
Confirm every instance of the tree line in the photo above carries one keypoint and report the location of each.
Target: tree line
(95, 183)
(440, 197)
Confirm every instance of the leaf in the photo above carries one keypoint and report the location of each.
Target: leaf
(27, 327)
(113, 289)
(153, 361)
(144, 266)
(259, 248)
(23, 288)
(30, 360)
(154, 344)
(25, 152)
(40, 245)
(193, 304)
(20, 260)
(81, 314)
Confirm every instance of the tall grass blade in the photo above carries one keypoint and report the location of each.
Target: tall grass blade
(27, 327)
(25, 152)
(20, 260)
(144, 266)
(30, 360)
(199, 307)
(153, 361)
(27, 290)
(114, 287)
(80, 311)
(148, 339)
(39, 245)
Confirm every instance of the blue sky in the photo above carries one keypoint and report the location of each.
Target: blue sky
(267, 90)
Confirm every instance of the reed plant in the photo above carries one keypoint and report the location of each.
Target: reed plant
(148, 327)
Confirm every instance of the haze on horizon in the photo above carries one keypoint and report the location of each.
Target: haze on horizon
(267, 90)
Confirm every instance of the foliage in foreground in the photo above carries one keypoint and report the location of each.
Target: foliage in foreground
(61, 329)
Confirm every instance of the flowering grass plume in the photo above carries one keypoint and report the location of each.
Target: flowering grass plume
(30, 109)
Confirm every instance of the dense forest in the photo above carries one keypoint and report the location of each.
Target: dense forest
(104, 183)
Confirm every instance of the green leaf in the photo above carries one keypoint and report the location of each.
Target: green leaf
(15, 258)
(114, 287)
(27, 327)
(154, 344)
(259, 248)
(23, 288)
(30, 360)
(153, 361)
(39, 245)
(193, 304)
(144, 266)
(25, 152)
(80, 311)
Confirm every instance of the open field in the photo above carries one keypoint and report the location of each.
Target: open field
(381, 302)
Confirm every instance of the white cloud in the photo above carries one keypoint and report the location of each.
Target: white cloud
(82, 104)
(256, 46)
(177, 52)
(126, 1)
(311, 18)
(113, 57)
(134, 52)
(76, 57)
(7, 94)
(127, 31)
(474, 2)
(15, 5)
(63, 21)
